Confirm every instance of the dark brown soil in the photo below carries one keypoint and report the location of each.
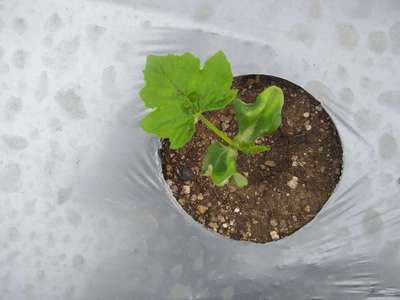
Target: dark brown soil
(287, 185)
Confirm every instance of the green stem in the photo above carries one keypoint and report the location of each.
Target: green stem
(218, 132)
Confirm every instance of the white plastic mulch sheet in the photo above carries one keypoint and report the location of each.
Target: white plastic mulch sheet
(84, 212)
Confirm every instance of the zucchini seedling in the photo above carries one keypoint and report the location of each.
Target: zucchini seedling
(179, 91)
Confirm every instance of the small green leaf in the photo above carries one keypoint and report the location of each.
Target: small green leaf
(260, 118)
(251, 148)
(220, 163)
(170, 122)
(239, 180)
(179, 91)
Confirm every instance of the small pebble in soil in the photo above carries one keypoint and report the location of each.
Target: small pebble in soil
(174, 188)
(213, 225)
(232, 188)
(274, 235)
(308, 127)
(307, 209)
(273, 222)
(186, 174)
(306, 114)
(225, 126)
(225, 119)
(236, 210)
(202, 209)
(186, 189)
(225, 225)
(220, 219)
(270, 163)
(200, 197)
(292, 183)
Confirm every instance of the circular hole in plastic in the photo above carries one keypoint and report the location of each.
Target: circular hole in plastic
(288, 185)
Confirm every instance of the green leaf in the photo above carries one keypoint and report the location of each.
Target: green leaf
(170, 122)
(239, 180)
(214, 83)
(260, 118)
(169, 79)
(220, 164)
(251, 148)
(179, 91)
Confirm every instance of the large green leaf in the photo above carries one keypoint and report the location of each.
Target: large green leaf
(220, 164)
(260, 118)
(169, 79)
(179, 91)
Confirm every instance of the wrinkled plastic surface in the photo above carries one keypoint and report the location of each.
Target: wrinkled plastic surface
(84, 212)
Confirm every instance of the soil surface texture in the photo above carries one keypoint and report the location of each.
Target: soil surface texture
(287, 185)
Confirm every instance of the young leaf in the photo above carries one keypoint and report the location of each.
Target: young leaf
(260, 118)
(251, 148)
(239, 180)
(220, 164)
(179, 91)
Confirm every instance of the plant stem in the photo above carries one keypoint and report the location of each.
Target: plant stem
(217, 131)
